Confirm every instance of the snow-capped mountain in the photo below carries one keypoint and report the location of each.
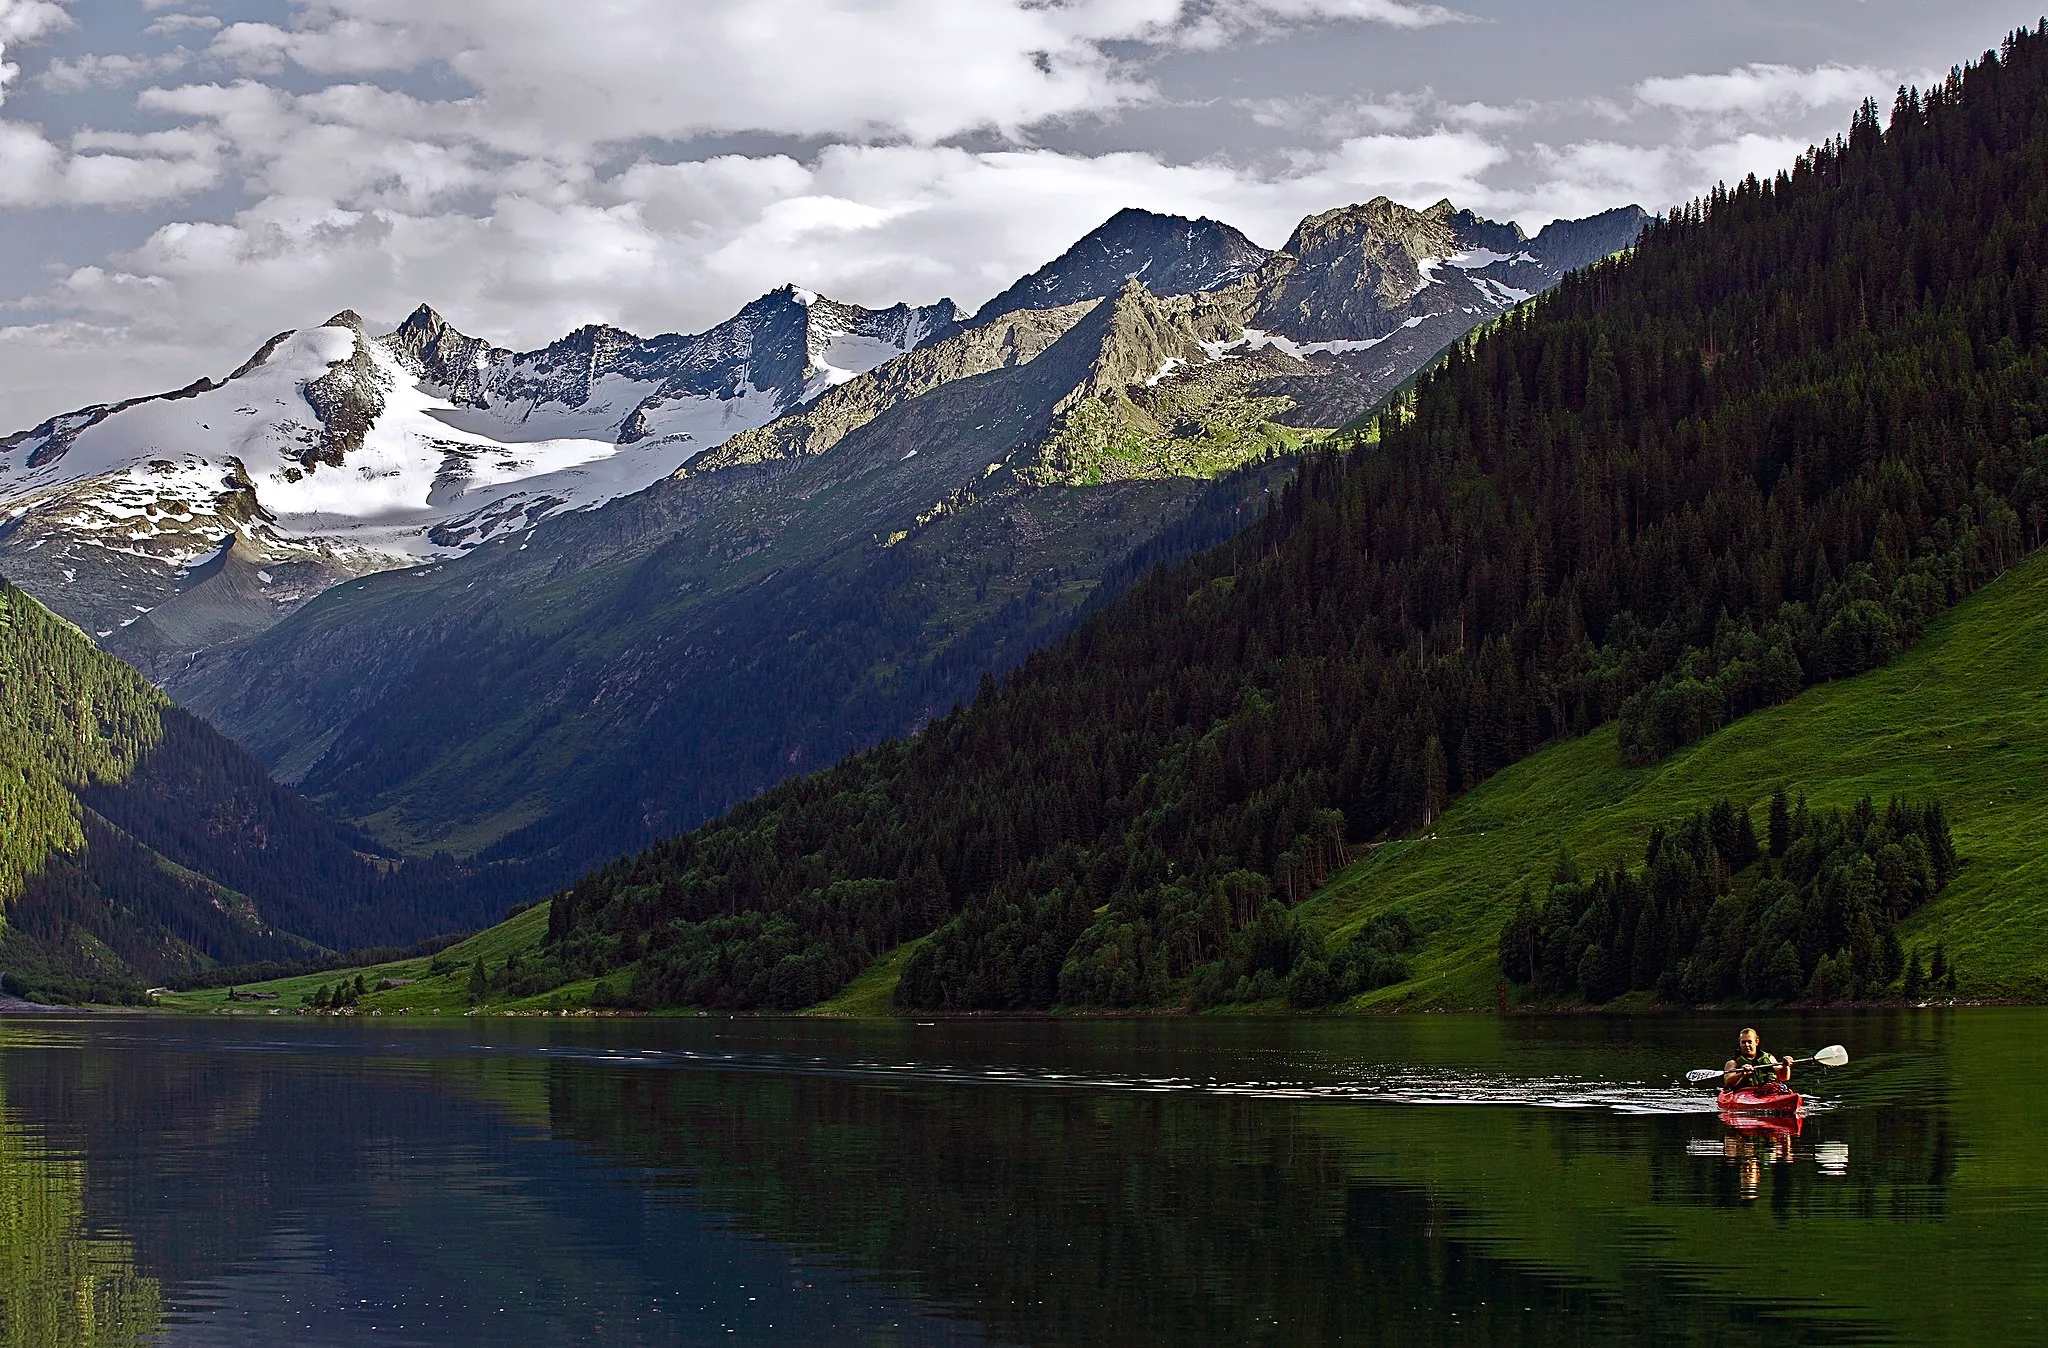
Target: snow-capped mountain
(333, 453)
(174, 523)
(851, 569)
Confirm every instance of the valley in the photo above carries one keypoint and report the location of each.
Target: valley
(512, 614)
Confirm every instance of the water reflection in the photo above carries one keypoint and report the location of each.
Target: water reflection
(1429, 1180)
(61, 1283)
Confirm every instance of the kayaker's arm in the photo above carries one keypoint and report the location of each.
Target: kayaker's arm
(1731, 1075)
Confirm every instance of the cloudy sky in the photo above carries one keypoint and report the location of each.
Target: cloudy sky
(181, 178)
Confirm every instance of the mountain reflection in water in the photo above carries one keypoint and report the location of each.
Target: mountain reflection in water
(1433, 1179)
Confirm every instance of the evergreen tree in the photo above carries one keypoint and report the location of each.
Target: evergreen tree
(1780, 823)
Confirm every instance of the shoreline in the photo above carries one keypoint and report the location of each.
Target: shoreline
(16, 1006)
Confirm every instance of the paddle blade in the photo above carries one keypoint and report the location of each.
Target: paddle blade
(1701, 1074)
(1834, 1055)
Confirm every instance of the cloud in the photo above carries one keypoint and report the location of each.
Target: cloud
(1764, 91)
(1217, 22)
(923, 70)
(27, 20)
(563, 182)
(1337, 118)
(34, 171)
(93, 171)
(85, 72)
(22, 22)
(1340, 118)
(181, 23)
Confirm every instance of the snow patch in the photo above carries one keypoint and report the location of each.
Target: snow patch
(1253, 339)
(1171, 364)
(1472, 259)
(1505, 295)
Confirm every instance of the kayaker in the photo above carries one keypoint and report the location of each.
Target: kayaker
(1751, 1066)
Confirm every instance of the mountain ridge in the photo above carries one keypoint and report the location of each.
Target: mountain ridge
(332, 453)
(911, 527)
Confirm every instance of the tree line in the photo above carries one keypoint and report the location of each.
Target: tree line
(1810, 911)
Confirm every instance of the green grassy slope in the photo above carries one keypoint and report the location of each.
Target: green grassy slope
(1962, 716)
(423, 991)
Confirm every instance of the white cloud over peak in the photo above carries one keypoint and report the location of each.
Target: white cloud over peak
(21, 22)
(85, 72)
(924, 70)
(1762, 90)
(1214, 24)
(181, 23)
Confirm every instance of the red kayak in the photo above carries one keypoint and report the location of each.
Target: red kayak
(1770, 1098)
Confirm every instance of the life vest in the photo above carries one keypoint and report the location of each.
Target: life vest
(1758, 1069)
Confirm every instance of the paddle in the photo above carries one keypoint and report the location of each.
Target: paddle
(1834, 1055)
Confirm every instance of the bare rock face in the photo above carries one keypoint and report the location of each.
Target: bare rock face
(348, 399)
(1567, 245)
(1015, 339)
(1167, 254)
(452, 362)
(1146, 337)
(1353, 272)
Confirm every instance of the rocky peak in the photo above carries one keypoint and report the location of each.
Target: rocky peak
(1139, 335)
(1475, 231)
(1568, 244)
(1379, 231)
(447, 359)
(1172, 254)
(348, 399)
(1351, 272)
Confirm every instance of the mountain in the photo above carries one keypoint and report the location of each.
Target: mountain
(179, 522)
(811, 586)
(619, 674)
(1760, 452)
(1167, 254)
(140, 844)
(169, 524)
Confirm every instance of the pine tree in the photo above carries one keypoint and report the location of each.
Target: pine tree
(1780, 823)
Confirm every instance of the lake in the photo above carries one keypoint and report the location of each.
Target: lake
(1427, 1179)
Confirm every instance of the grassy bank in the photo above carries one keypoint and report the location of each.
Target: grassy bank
(437, 985)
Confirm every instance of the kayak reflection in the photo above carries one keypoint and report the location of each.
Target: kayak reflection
(1751, 1141)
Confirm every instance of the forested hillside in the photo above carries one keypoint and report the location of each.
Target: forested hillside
(1804, 417)
(136, 842)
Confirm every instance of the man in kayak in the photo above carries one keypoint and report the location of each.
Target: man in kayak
(1751, 1066)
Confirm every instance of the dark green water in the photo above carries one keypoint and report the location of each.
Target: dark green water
(1419, 1180)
